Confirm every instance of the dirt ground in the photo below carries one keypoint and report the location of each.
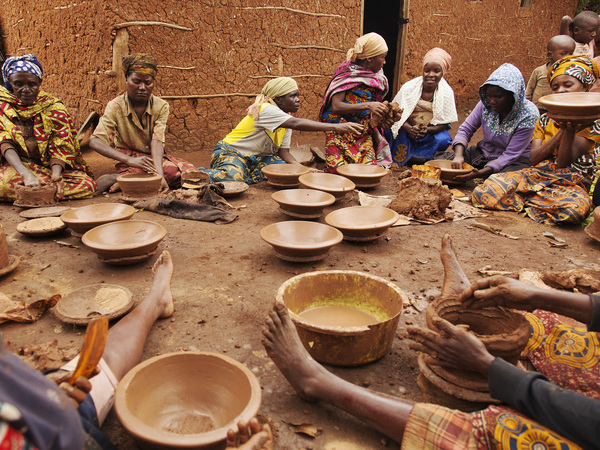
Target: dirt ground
(226, 278)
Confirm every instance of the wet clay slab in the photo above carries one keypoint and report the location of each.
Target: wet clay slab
(335, 185)
(303, 203)
(363, 175)
(85, 218)
(362, 223)
(448, 174)
(139, 185)
(285, 175)
(32, 197)
(575, 107)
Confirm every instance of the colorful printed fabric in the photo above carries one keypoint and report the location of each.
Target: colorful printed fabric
(140, 63)
(404, 147)
(12, 439)
(21, 64)
(579, 67)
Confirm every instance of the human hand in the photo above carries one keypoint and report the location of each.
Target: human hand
(60, 187)
(142, 162)
(474, 173)
(501, 291)
(377, 108)
(30, 180)
(164, 186)
(422, 131)
(413, 132)
(458, 162)
(76, 392)
(349, 127)
(250, 437)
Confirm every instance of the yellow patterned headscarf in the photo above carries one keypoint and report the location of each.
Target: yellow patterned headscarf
(270, 91)
(140, 63)
(579, 67)
(367, 46)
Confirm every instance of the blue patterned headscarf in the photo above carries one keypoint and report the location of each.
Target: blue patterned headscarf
(524, 114)
(21, 64)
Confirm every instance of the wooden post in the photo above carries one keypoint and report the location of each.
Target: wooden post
(120, 49)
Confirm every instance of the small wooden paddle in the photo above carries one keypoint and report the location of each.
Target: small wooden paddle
(93, 347)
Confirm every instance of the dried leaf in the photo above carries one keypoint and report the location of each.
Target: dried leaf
(551, 236)
(308, 429)
(557, 244)
(65, 244)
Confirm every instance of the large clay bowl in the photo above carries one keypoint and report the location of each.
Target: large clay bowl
(85, 218)
(341, 344)
(363, 175)
(301, 241)
(284, 175)
(449, 174)
(123, 239)
(575, 107)
(139, 185)
(186, 400)
(362, 223)
(336, 185)
(303, 203)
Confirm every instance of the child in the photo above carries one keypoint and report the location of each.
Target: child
(538, 86)
(583, 29)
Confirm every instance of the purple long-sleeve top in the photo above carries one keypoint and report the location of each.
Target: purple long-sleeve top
(502, 150)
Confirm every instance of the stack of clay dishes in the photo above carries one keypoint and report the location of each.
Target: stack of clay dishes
(186, 400)
(284, 175)
(364, 176)
(8, 263)
(32, 197)
(344, 318)
(302, 203)
(139, 185)
(593, 229)
(581, 108)
(448, 174)
(335, 185)
(301, 241)
(83, 219)
(362, 223)
(125, 242)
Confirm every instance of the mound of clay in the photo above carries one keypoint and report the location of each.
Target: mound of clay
(423, 200)
(42, 195)
(392, 115)
(186, 195)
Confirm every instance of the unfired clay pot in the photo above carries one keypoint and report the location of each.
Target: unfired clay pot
(362, 223)
(363, 175)
(31, 197)
(284, 175)
(8, 263)
(186, 400)
(574, 107)
(593, 228)
(336, 185)
(139, 185)
(303, 203)
(448, 174)
(87, 217)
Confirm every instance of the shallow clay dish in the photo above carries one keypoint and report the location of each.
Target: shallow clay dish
(303, 203)
(96, 300)
(186, 400)
(139, 185)
(301, 241)
(45, 226)
(233, 188)
(336, 185)
(575, 107)
(126, 238)
(341, 344)
(284, 175)
(32, 197)
(49, 211)
(362, 223)
(363, 175)
(448, 174)
(85, 218)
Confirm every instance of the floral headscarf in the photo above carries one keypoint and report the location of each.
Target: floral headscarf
(579, 67)
(21, 64)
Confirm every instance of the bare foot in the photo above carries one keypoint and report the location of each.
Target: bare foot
(455, 280)
(283, 345)
(105, 182)
(163, 270)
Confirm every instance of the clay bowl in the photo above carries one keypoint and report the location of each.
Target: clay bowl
(362, 223)
(448, 174)
(139, 185)
(575, 107)
(186, 400)
(363, 175)
(85, 218)
(44, 226)
(336, 185)
(124, 239)
(234, 188)
(303, 203)
(593, 228)
(284, 175)
(357, 317)
(301, 241)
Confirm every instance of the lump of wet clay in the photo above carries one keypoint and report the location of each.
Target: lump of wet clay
(32, 196)
(421, 199)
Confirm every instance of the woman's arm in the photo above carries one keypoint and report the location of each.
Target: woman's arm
(11, 156)
(338, 106)
(572, 147)
(296, 123)
(157, 150)
(540, 152)
(434, 129)
(284, 153)
(141, 162)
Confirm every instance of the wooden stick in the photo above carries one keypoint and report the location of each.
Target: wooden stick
(92, 100)
(441, 15)
(175, 67)
(473, 39)
(299, 11)
(149, 23)
(233, 94)
(318, 47)
(308, 75)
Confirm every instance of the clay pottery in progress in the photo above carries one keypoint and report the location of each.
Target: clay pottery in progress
(45, 226)
(336, 185)
(575, 107)
(38, 213)
(423, 171)
(363, 175)
(139, 185)
(284, 175)
(301, 241)
(32, 197)
(362, 223)
(125, 241)
(593, 228)
(303, 203)
(332, 336)
(186, 400)
(233, 188)
(85, 218)
(448, 174)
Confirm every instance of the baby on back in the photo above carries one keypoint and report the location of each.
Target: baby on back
(582, 29)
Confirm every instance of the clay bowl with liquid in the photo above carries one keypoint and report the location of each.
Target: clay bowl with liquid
(303, 203)
(364, 176)
(344, 318)
(284, 175)
(186, 400)
(575, 107)
(448, 174)
(362, 223)
(85, 218)
(301, 241)
(336, 185)
(139, 185)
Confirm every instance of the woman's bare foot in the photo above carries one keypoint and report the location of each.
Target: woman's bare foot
(105, 182)
(163, 270)
(455, 280)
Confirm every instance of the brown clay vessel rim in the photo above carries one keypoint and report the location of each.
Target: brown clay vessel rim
(362, 170)
(336, 237)
(440, 163)
(285, 169)
(363, 212)
(87, 238)
(119, 211)
(13, 263)
(322, 181)
(589, 231)
(175, 440)
(575, 100)
(312, 197)
(141, 177)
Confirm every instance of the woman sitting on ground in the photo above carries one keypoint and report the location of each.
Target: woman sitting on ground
(132, 129)
(263, 137)
(354, 94)
(38, 140)
(556, 189)
(428, 109)
(507, 119)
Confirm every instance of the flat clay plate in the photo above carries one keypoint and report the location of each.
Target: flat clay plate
(96, 300)
(44, 226)
(38, 213)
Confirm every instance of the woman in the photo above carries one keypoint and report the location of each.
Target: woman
(354, 94)
(556, 189)
(132, 129)
(428, 109)
(507, 119)
(263, 137)
(38, 140)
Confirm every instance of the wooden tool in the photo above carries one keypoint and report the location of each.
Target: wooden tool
(93, 347)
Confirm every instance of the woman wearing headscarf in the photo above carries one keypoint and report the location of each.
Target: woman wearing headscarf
(507, 120)
(428, 109)
(263, 137)
(556, 189)
(354, 94)
(132, 129)
(38, 140)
